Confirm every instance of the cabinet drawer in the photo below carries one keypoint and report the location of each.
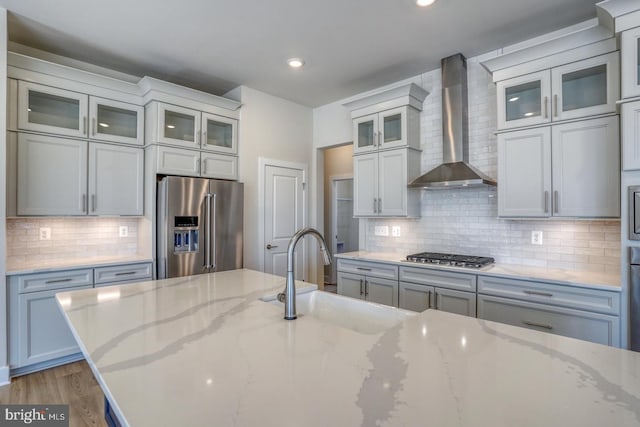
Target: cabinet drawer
(54, 280)
(547, 293)
(123, 273)
(374, 269)
(443, 279)
(594, 327)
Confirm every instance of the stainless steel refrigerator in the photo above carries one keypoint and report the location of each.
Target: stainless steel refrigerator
(200, 226)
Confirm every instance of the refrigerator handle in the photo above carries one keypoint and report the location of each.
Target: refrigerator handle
(213, 251)
(207, 231)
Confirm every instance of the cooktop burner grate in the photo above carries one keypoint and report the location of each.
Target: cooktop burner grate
(467, 261)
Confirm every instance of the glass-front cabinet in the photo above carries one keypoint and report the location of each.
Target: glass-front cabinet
(631, 63)
(116, 121)
(219, 134)
(387, 129)
(46, 109)
(584, 88)
(178, 126)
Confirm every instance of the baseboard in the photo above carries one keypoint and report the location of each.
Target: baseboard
(4, 375)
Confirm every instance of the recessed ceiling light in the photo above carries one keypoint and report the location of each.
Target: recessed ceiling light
(424, 3)
(295, 62)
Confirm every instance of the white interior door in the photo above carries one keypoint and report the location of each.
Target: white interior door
(283, 216)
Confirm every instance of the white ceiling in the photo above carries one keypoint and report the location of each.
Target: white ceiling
(350, 46)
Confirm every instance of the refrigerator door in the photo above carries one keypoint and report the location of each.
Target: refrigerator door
(181, 226)
(227, 200)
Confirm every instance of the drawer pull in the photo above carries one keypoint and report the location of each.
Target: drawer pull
(125, 273)
(68, 279)
(537, 325)
(366, 288)
(541, 294)
(363, 268)
(361, 291)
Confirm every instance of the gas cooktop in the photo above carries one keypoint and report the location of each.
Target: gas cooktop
(466, 261)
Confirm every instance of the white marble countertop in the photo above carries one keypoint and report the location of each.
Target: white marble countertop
(590, 279)
(35, 266)
(204, 350)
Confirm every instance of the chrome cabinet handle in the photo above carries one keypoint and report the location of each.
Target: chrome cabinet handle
(270, 246)
(125, 273)
(537, 325)
(94, 128)
(361, 291)
(84, 203)
(379, 205)
(375, 205)
(68, 279)
(204, 137)
(546, 107)
(84, 125)
(363, 268)
(379, 139)
(555, 105)
(546, 201)
(429, 301)
(366, 287)
(375, 139)
(555, 201)
(542, 294)
(93, 203)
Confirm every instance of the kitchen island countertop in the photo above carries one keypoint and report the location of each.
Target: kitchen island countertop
(204, 350)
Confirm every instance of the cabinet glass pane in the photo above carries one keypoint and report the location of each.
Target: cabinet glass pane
(117, 121)
(584, 88)
(393, 128)
(365, 134)
(179, 126)
(523, 101)
(219, 134)
(53, 110)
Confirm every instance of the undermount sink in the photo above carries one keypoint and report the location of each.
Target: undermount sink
(360, 316)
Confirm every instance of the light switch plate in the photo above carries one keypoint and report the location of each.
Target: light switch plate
(381, 230)
(536, 237)
(45, 233)
(123, 231)
(395, 231)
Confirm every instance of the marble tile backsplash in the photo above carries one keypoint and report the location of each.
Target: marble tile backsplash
(465, 220)
(70, 238)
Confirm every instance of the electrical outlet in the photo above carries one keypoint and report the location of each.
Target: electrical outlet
(123, 231)
(395, 231)
(381, 230)
(45, 233)
(536, 237)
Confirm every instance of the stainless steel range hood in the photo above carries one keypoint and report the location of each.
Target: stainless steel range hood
(455, 172)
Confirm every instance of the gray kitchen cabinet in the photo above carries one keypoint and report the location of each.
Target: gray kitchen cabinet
(565, 170)
(114, 274)
(116, 121)
(178, 161)
(51, 176)
(375, 282)
(631, 136)
(422, 288)
(630, 46)
(218, 166)
(116, 176)
(350, 285)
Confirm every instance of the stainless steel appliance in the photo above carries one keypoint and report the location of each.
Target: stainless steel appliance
(634, 212)
(466, 261)
(200, 226)
(634, 299)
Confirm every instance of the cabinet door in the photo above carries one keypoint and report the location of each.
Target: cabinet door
(392, 128)
(524, 101)
(392, 183)
(219, 134)
(52, 175)
(456, 302)
(524, 173)
(43, 332)
(586, 168)
(115, 180)
(351, 285)
(365, 185)
(415, 297)
(178, 126)
(595, 327)
(174, 161)
(47, 109)
(631, 136)
(631, 63)
(382, 291)
(116, 121)
(585, 88)
(219, 166)
(365, 134)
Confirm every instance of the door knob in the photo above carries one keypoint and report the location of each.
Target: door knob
(269, 246)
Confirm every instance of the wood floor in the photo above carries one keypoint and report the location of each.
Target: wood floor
(72, 384)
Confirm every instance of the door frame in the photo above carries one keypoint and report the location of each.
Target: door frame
(333, 179)
(263, 162)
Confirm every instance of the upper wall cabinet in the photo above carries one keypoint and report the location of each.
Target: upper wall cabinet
(631, 63)
(63, 112)
(386, 129)
(580, 89)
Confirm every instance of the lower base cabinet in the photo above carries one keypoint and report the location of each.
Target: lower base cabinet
(373, 289)
(584, 325)
(416, 297)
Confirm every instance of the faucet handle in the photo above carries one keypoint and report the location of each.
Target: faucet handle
(281, 297)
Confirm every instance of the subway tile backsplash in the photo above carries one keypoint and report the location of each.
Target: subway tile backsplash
(71, 238)
(465, 220)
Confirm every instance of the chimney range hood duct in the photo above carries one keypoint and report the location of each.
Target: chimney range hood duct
(455, 172)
